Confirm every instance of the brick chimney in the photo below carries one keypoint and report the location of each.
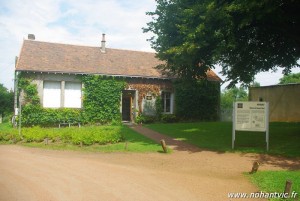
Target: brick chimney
(31, 37)
(103, 43)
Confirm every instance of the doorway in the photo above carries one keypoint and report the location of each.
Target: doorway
(128, 98)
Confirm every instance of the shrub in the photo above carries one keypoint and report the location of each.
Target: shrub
(140, 119)
(7, 133)
(7, 117)
(158, 107)
(35, 115)
(61, 134)
(82, 135)
(169, 118)
(74, 135)
(197, 100)
(108, 134)
(34, 134)
(166, 118)
(145, 119)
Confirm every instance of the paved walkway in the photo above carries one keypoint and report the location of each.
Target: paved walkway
(181, 147)
(172, 143)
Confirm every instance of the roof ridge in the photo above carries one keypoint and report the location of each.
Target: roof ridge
(80, 45)
(69, 44)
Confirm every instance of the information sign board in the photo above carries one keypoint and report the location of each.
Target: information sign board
(250, 116)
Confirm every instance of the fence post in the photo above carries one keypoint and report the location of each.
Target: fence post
(288, 187)
(254, 167)
(46, 141)
(164, 146)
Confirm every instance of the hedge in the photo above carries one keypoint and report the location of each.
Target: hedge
(74, 135)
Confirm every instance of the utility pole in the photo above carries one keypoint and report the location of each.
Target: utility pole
(20, 113)
(15, 94)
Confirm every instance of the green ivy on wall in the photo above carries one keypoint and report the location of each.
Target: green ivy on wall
(29, 89)
(198, 100)
(101, 103)
(102, 98)
(36, 115)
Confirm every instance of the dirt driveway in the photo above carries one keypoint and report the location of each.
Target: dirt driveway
(37, 174)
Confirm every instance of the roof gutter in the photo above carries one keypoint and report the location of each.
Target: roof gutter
(82, 73)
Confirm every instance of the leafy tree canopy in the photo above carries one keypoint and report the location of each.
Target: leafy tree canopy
(255, 84)
(231, 95)
(244, 37)
(6, 100)
(290, 78)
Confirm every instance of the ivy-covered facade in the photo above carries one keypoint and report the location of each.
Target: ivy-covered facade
(65, 83)
(90, 98)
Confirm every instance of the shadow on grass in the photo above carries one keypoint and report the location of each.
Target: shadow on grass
(284, 150)
(276, 161)
(174, 144)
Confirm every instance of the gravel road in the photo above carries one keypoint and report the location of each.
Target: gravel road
(37, 174)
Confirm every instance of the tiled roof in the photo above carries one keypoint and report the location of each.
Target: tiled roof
(62, 58)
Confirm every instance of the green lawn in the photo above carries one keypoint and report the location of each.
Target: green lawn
(274, 181)
(284, 137)
(70, 138)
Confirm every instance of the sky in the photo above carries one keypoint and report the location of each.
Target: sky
(80, 22)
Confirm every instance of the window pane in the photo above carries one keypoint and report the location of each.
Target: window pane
(168, 95)
(72, 95)
(168, 105)
(163, 101)
(166, 101)
(51, 95)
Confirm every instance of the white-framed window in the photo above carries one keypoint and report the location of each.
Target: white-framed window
(58, 94)
(72, 95)
(52, 94)
(167, 102)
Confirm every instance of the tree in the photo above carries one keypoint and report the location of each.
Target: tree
(231, 95)
(244, 37)
(6, 100)
(254, 84)
(290, 78)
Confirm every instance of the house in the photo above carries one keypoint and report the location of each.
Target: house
(283, 101)
(55, 68)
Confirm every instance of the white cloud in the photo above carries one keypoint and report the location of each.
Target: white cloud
(272, 78)
(264, 78)
(71, 21)
(77, 22)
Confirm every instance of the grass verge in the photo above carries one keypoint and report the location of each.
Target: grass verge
(274, 182)
(216, 136)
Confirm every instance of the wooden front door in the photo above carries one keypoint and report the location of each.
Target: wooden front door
(126, 109)
(128, 98)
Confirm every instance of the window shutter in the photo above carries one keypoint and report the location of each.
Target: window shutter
(72, 95)
(52, 94)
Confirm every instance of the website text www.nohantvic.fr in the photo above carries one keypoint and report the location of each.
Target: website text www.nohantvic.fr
(262, 194)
